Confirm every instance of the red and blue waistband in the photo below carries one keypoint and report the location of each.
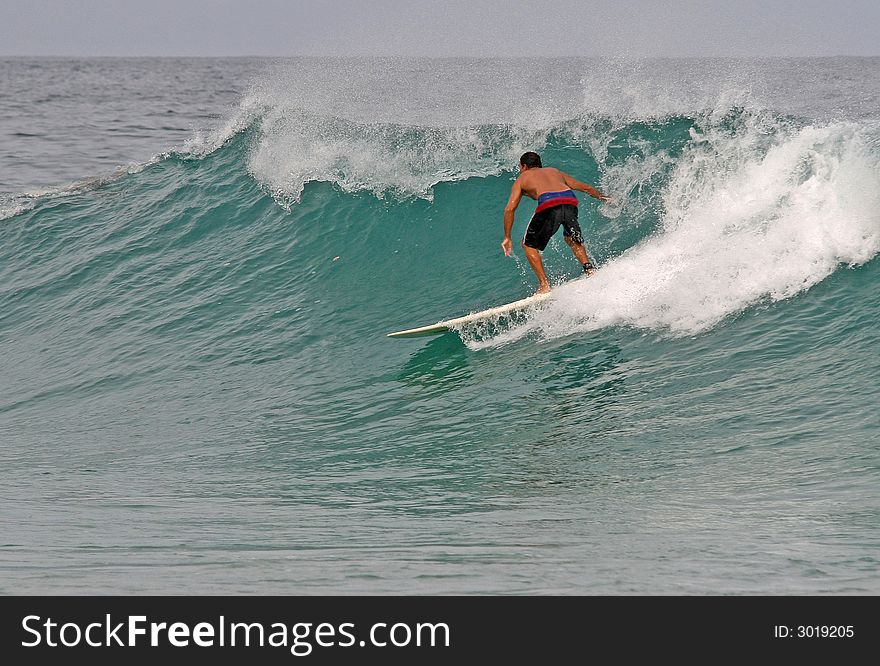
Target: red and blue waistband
(551, 199)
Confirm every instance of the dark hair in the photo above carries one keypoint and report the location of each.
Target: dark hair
(531, 160)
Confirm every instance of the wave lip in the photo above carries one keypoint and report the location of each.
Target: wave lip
(12, 205)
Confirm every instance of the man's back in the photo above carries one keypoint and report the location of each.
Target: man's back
(536, 182)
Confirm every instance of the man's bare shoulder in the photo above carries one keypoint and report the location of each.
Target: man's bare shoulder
(523, 178)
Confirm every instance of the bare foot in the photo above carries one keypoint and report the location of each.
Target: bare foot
(543, 289)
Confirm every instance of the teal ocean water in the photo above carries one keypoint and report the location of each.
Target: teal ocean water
(199, 261)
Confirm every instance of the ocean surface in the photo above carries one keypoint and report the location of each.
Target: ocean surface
(200, 259)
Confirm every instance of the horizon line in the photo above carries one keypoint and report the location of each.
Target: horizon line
(441, 57)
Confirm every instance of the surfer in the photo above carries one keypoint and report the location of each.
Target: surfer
(557, 206)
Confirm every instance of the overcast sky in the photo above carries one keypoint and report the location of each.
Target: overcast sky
(440, 27)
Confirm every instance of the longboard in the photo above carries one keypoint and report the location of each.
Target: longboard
(443, 326)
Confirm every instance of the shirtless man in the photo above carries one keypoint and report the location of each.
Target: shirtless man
(557, 205)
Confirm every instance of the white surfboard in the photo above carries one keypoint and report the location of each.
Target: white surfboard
(443, 326)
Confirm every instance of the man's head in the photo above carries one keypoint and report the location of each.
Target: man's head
(530, 161)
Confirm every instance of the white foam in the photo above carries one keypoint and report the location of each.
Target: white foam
(295, 147)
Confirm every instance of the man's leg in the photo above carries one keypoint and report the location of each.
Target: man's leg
(534, 257)
(575, 238)
(580, 252)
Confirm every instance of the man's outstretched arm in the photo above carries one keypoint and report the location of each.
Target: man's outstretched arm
(583, 187)
(509, 211)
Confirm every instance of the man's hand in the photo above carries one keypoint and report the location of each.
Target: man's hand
(507, 246)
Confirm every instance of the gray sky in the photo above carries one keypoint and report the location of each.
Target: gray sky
(440, 27)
